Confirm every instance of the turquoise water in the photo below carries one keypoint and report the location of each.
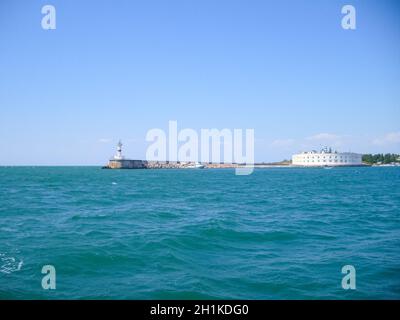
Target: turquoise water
(281, 233)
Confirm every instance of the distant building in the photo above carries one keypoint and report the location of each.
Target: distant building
(326, 157)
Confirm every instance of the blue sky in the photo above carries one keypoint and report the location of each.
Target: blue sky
(115, 69)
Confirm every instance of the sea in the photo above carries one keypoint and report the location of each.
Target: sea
(279, 233)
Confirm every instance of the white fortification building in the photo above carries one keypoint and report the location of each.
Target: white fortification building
(326, 157)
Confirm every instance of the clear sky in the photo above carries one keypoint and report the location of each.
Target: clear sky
(115, 69)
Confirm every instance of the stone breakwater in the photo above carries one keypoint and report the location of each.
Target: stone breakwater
(144, 164)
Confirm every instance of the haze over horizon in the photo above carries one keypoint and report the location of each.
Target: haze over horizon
(114, 70)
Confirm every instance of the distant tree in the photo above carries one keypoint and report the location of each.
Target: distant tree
(367, 158)
(381, 158)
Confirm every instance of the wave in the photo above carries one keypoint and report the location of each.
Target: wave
(9, 264)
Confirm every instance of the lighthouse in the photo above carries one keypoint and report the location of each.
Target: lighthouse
(120, 162)
(119, 155)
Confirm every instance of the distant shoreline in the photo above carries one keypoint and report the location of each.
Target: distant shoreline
(139, 164)
(212, 166)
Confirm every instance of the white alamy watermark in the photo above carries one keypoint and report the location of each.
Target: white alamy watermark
(49, 18)
(349, 20)
(210, 146)
(349, 280)
(49, 280)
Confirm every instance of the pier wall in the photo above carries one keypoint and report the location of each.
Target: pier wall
(126, 164)
(144, 164)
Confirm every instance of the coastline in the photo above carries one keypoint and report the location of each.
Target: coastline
(142, 164)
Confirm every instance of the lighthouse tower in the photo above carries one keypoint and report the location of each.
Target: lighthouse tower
(118, 155)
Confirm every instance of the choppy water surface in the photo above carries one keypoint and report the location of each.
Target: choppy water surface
(281, 233)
